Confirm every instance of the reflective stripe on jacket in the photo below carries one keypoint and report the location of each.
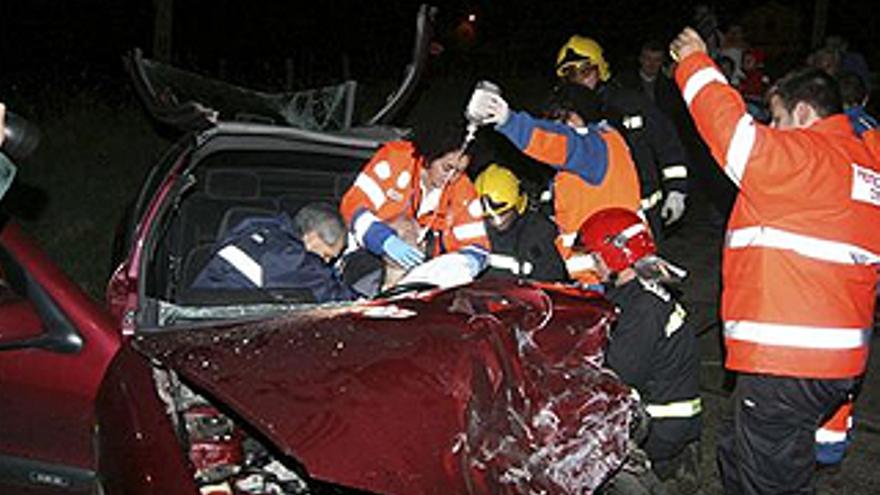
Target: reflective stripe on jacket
(264, 253)
(653, 348)
(838, 425)
(389, 187)
(595, 172)
(654, 144)
(526, 249)
(798, 277)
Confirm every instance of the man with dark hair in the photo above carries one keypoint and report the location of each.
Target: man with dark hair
(799, 265)
(650, 79)
(424, 182)
(855, 97)
(280, 252)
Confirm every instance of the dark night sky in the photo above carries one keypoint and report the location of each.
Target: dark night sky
(88, 36)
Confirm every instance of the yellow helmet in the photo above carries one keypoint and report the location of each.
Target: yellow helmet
(499, 192)
(580, 49)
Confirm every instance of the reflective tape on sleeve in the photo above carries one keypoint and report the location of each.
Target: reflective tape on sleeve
(504, 262)
(678, 409)
(470, 230)
(824, 435)
(366, 184)
(362, 224)
(242, 262)
(700, 80)
(741, 144)
(675, 172)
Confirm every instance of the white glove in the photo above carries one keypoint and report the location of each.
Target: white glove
(486, 108)
(673, 207)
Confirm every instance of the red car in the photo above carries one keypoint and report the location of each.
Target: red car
(492, 387)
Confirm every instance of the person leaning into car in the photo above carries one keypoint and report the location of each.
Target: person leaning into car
(422, 180)
(281, 252)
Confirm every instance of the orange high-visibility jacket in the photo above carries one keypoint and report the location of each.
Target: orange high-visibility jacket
(589, 179)
(802, 239)
(389, 186)
(871, 137)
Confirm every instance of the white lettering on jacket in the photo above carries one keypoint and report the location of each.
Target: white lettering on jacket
(865, 185)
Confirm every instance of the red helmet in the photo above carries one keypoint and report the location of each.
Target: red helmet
(618, 235)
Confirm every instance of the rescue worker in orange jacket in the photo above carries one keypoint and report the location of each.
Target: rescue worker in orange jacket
(594, 167)
(653, 141)
(425, 183)
(798, 269)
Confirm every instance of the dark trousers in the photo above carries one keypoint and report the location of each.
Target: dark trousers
(767, 444)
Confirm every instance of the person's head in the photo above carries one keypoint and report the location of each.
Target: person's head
(441, 149)
(500, 195)
(735, 34)
(753, 59)
(574, 105)
(617, 239)
(651, 58)
(803, 97)
(580, 61)
(321, 229)
(727, 66)
(852, 89)
(825, 59)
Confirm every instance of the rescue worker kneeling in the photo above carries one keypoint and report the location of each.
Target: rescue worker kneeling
(277, 252)
(652, 346)
(521, 238)
(422, 181)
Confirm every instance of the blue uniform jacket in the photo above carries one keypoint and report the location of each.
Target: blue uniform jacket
(265, 253)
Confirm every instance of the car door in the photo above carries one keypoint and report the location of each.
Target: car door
(55, 346)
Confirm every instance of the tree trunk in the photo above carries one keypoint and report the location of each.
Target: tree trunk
(162, 29)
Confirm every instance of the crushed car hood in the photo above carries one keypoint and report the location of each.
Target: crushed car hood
(493, 386)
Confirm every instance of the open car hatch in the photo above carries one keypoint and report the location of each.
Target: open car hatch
(192, 102)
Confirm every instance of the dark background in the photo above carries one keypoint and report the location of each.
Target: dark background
(60, 66)
(249, 41)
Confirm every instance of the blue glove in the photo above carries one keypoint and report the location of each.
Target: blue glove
(477, 260)
(402, 253)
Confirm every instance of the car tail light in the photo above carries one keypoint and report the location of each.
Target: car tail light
(215, 443)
